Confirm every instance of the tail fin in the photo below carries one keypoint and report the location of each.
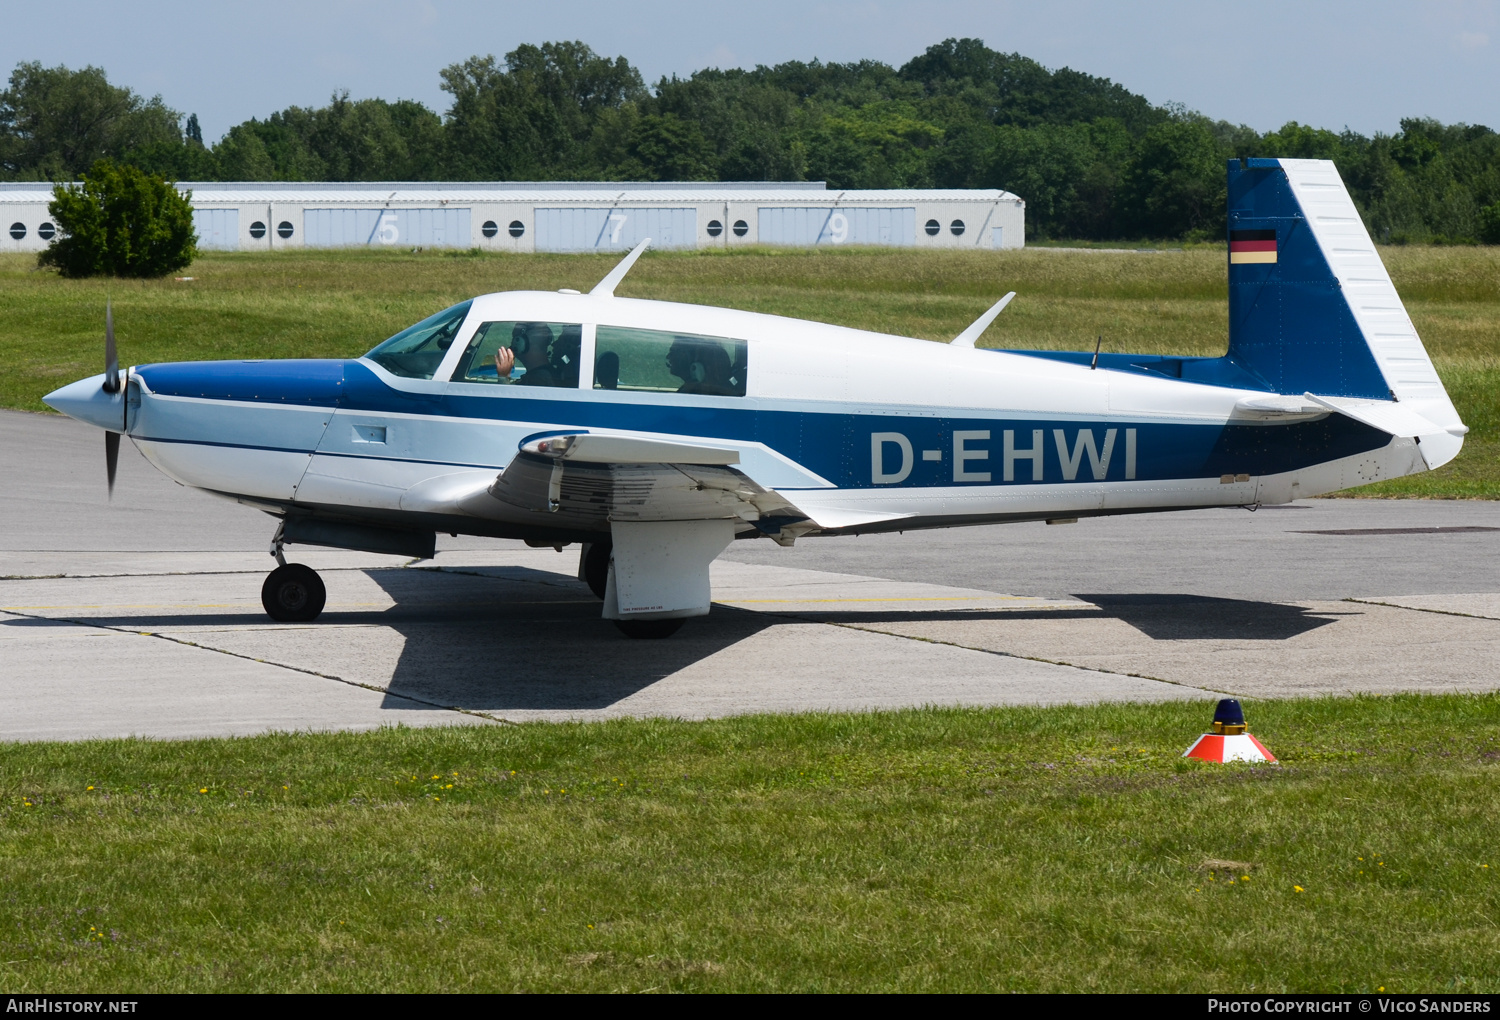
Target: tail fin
(1311, 306)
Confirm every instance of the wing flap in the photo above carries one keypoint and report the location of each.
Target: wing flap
(586, 481)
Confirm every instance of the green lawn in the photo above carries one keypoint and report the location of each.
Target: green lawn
(1026, 849)
(339, 304)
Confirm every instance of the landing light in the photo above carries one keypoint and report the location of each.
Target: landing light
(552, 446)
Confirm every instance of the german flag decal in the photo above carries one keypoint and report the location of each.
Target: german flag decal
(1252, 246)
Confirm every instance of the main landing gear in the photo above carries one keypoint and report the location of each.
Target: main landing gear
(595, 571)
(293, 592)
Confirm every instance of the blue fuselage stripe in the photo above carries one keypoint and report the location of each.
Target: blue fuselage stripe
(851, 450)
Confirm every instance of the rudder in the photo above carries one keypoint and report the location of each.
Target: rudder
(1311, 306)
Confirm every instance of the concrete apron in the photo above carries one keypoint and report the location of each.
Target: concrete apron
(176, 645)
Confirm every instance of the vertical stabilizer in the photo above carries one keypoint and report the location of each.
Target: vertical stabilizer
(1311, 306)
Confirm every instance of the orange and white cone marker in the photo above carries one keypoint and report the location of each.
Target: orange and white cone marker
(1229, 740)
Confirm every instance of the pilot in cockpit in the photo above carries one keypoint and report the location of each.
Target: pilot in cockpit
(530, 342)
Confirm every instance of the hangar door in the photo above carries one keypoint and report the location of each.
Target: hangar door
(344, 228)
(856, 225)
(217, 229)
(614, 229)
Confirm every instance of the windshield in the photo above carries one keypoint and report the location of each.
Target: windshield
(416, 351)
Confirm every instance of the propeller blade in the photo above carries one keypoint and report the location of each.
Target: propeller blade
(111, 458)
(111, 362)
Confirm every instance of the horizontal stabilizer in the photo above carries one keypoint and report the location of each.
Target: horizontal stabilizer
(1383, 415)
(971, 335)
(1438, 445)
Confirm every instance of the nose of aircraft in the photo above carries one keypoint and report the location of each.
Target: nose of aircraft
(88, 401)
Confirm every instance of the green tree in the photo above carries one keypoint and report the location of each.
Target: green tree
(1046, 164)
(55, 122)
(1489, 224)
(533, 118)
(878, 145)
(120, 221)
(1175, 185)
(669, 148)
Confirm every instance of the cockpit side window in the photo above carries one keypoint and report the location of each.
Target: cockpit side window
(417, 351)
(657, 361)
(522, 354)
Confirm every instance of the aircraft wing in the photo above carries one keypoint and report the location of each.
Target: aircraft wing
(584, 481)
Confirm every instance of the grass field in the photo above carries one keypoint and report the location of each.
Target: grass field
(339, 304)
(1025, 849)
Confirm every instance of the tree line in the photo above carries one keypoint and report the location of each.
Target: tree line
(1092, 159)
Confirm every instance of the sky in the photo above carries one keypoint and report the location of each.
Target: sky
(1327, 63)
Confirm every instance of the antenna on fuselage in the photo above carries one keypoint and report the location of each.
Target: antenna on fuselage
(606, 287)
(968, 336)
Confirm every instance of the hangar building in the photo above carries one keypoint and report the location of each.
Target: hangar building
(563, 217)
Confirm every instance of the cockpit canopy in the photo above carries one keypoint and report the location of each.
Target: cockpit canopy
(545, 353)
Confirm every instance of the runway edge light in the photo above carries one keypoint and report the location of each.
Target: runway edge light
(1229, 740)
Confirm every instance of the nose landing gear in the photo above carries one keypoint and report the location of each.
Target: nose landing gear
(293, 593)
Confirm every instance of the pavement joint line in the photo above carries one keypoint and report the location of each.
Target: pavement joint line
(409, 565)
(247, 604)
(1013, 655)
(170, 573)
(267, 662)
(1417, 609)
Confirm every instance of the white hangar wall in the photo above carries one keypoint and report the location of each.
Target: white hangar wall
(571, 217)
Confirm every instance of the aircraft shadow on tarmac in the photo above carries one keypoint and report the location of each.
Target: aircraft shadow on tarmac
(514, 639)
(1160, 617)
(498, 639)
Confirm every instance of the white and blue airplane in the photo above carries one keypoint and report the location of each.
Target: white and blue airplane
(654, 434)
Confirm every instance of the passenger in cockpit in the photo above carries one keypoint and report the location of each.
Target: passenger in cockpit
(702, 366)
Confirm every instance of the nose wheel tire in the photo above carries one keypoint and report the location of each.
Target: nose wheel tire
(293, 594)
(649, 628)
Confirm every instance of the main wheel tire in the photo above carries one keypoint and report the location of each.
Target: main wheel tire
(293, 594)
(649, 628)
(596, 566)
